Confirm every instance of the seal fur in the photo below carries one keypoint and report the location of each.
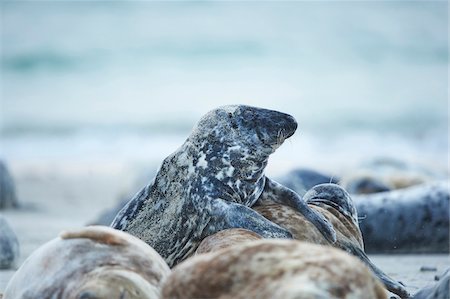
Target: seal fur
(273, 269)
(92, 262)
(226, 238)
(211, 182)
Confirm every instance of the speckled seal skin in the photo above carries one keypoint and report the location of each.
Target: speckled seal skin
(8, 197)
(94, 262)
(9, 245)
(273, 269)
(337, 206)
(211, 182)
(226, 238)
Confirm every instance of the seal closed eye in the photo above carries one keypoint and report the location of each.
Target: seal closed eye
(211, 182)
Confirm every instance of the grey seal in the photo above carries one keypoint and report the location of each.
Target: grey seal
(94, 262)
(285, 269)
(408, 220)
(439, 290)
(211, 182)
(303, 179)
(9, 245)
(8, 196)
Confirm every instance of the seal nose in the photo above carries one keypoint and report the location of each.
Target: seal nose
(291, 126)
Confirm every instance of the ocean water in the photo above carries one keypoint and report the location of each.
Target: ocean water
(109, 80)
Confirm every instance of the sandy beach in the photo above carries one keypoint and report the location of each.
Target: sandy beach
(56, 197)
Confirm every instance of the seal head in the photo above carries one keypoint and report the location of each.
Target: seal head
(333, 196)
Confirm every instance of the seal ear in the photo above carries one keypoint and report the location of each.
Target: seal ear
(97, 233)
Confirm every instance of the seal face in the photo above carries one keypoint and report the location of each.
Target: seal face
(211, 181)
(334, 196)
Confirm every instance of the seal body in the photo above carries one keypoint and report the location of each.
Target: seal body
(413, 219)
(8, 197)
(337, 206)
(92, 262)
(273, 269)
(226, 238)
(302, 179)
(9, 245)
(439, 290)
(211, 182)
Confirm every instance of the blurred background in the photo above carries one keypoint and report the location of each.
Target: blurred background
(126, 81)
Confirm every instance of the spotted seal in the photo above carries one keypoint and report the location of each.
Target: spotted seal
(94, 262)
(273, 269)
(338, 207)
(211, 182)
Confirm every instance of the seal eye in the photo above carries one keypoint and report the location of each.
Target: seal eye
(230, 115)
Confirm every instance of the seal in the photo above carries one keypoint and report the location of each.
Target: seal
(226, 238)
(408, 220)
(273, 269)
(302, 179)
(439, 290)
(211, 182)
(8, 197)
(92, 262)
(9, 245)
(334, 203)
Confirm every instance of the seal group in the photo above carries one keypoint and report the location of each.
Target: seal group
(211, 182)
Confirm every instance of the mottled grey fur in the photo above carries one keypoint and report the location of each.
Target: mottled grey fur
(211, 182)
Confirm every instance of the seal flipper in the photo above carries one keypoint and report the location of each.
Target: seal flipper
(227, 214)
(390, 284)
(275, 192)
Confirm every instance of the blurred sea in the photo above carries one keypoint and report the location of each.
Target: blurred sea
(109, 80)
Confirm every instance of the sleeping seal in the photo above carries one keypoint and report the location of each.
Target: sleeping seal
(211, 182)
(94, 262)
(285, 269)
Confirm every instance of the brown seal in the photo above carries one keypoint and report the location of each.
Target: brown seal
(333, 202)
(273, 269)
(226, 238)
(92, 262)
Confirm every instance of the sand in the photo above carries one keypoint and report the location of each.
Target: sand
(59, 196)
